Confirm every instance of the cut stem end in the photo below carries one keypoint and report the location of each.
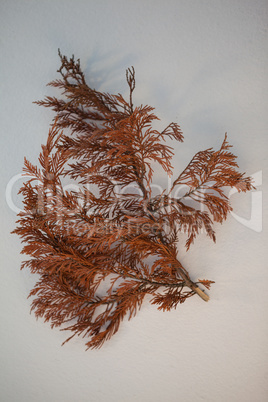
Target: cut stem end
(201, 294)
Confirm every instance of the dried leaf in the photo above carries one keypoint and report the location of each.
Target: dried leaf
(99, 253)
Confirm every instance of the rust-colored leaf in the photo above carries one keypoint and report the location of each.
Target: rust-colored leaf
(103, 243)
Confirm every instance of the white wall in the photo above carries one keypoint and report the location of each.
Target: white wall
(203, 64)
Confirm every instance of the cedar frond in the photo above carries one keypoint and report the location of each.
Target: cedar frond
(100, 253)
(206, 283)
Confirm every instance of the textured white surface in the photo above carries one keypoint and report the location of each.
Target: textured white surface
(204, 65)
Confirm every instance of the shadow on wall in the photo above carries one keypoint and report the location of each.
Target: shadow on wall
(105, 71)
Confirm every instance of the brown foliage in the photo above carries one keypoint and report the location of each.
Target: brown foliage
(99, 253)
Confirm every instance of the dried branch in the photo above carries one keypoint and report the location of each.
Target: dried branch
(100, 253)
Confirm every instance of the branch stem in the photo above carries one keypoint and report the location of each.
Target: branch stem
(190, 284)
